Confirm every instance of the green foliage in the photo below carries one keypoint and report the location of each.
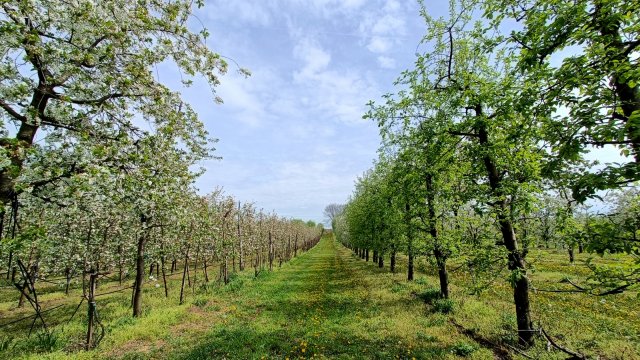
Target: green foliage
(201, 301)
(5, 343)
(43, 341)
(596, 82)
(463, 349)
(235, 283)
(444, 306)
(430, 295)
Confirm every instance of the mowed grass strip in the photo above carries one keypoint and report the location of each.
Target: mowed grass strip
(329, 304)
(325, 303)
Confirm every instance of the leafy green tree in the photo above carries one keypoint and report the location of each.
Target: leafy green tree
(587, 52)
(467, 88)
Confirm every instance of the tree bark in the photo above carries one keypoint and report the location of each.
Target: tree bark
(571, 256)
(184, 274)
(441, 258)
(516, 262)
(271, 254)
(443, 275)
(27, 131)
(164, 277)
(410, 265)
(392, 259)
(92, 309)
(137, 286)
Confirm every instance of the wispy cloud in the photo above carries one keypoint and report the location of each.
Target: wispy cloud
(387, 62)
(383, 29)
(315, 59)
(338, 94)
(292, 136)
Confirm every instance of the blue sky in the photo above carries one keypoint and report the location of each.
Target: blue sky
(292, 135)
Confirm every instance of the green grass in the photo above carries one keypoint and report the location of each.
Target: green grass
(326, 303)
(605, 327)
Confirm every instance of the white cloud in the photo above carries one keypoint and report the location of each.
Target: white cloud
(389, 24)
(254, 12)
(328, 8)
(392, 5)
(335, 94)
(384, 28)
(379, 45)
(315, 59)
(243, 98)
(292, 136)
(387, 62)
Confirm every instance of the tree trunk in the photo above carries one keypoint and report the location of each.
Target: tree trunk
(240, 245)
(164, 278)
(31, 278)
(92, 310)
(137, 286)
(195, 270)
(67, 275)
(410, 265)
(441, 260)
(120, 265)
(571, 256)
(9, 264)
(188, 274)
(256, 262)
(407, 221)
(516, 262)
(366, 255)
(271, 254)
(381, 260)
(392, 260)
(225, 269)
(206, 272)
(184, 275)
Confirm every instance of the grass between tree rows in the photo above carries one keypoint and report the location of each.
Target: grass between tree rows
(600, 327)
(325, 303)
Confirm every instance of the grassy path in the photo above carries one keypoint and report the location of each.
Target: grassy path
(323, 304)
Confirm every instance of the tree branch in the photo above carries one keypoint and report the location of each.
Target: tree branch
(11, 111)
(460, 133)
(575, 355)
(98, 101)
